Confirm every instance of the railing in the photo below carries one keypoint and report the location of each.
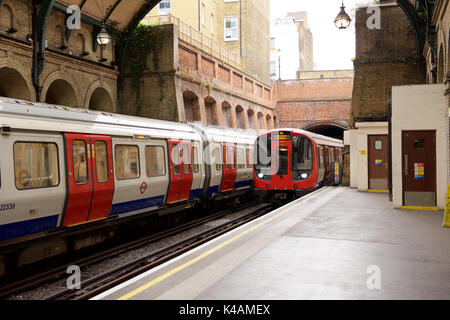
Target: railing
(197, 39)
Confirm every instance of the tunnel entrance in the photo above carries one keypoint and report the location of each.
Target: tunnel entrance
(328, 130)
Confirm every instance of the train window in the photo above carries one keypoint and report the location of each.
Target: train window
(35, 165)
(230, 157)
(322, 160)
(318, 157)
(127, 162)
(264, 155)
(101, 161)
(302, 157)
(216, 157)
(247, 157)
(155, 161)
(195, 163)
(282, 160)
(80, 169)
(176, 159)
(240, 159)
(186, 159)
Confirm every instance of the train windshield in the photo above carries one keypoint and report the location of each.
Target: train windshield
(264, 155)
(302, 158)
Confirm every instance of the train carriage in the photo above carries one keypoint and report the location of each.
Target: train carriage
(292, 162)
(67, 168)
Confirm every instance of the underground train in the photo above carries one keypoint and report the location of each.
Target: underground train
(70, 169)
(290, 163)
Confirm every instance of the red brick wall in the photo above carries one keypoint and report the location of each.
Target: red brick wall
(301, 102)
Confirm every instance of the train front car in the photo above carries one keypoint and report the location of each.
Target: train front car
(290, 163)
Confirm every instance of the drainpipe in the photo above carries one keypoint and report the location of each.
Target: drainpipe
(199, 18)
(35, 79)
(240, 26)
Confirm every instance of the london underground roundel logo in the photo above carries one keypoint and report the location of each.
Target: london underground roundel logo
(143, 187)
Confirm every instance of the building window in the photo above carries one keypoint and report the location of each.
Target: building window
(212, 23)
(231, 28)
(164, 7)
(203, 14)
(272, 44)
(273, 68)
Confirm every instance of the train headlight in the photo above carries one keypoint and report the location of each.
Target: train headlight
(304, 176)
(260, 175)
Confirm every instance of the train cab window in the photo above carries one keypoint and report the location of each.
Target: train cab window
(240, 159)
(282, 160)
(35, 165)
(127, 162)
(195, 163)
(155, 161)
(101, 161)
(186, 159)
(80, 169)
(302, 156)
(264, 155)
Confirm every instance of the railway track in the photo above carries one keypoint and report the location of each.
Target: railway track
(93, 285)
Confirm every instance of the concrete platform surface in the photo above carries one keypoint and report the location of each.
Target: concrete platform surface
(335, 243)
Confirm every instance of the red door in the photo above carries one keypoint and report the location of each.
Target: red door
(180, 171)
(103, 178)
(229, 167)
(88, 199)
(282, 173)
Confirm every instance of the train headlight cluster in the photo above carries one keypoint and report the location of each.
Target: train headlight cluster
(304, 176)
(260, 175)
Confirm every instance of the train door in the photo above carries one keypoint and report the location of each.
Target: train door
(419, 168)
(84, 176)
(180, 171)
(229, 167)
(281, 170)
(103, 177)
(378, 162)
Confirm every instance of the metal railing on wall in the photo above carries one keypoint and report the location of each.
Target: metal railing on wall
(197, 39)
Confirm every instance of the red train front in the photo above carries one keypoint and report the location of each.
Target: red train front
(290, 163)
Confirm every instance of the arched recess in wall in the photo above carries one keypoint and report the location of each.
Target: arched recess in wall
(7, 17)
(191, 106)
(275, 122)
(441, 65)
(211, 111)
(269, 122)
(240, 117)
(251, 119)
(13, 84)
(101, 101)
(62, 93)
(227, 114)
(326, 128)
(261, 119)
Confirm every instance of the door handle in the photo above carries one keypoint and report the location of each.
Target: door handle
(406, 164)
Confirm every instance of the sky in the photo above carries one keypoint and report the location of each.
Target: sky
(333, 48)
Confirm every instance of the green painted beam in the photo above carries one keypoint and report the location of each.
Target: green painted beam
(41, 23)
(112, 10)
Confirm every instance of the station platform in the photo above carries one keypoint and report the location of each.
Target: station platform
(335, 243)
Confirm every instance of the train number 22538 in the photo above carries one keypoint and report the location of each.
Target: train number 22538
(7, 206)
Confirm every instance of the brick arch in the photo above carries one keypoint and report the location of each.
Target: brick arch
(11, 64)
(240, 117)
(212, 116)
(252, 120)
(110, 106)
(269, 122)
(191, 106)
(332, 128)
(227, 114)
(50, 78)
(261, 121)
(58, 75)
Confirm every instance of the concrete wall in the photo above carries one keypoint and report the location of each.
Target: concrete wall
(358, 140)
(420, 107)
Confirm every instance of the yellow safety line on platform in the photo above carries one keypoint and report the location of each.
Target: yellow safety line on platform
(378, 191)
(420, 208)
(204, 255)
(446, 223)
